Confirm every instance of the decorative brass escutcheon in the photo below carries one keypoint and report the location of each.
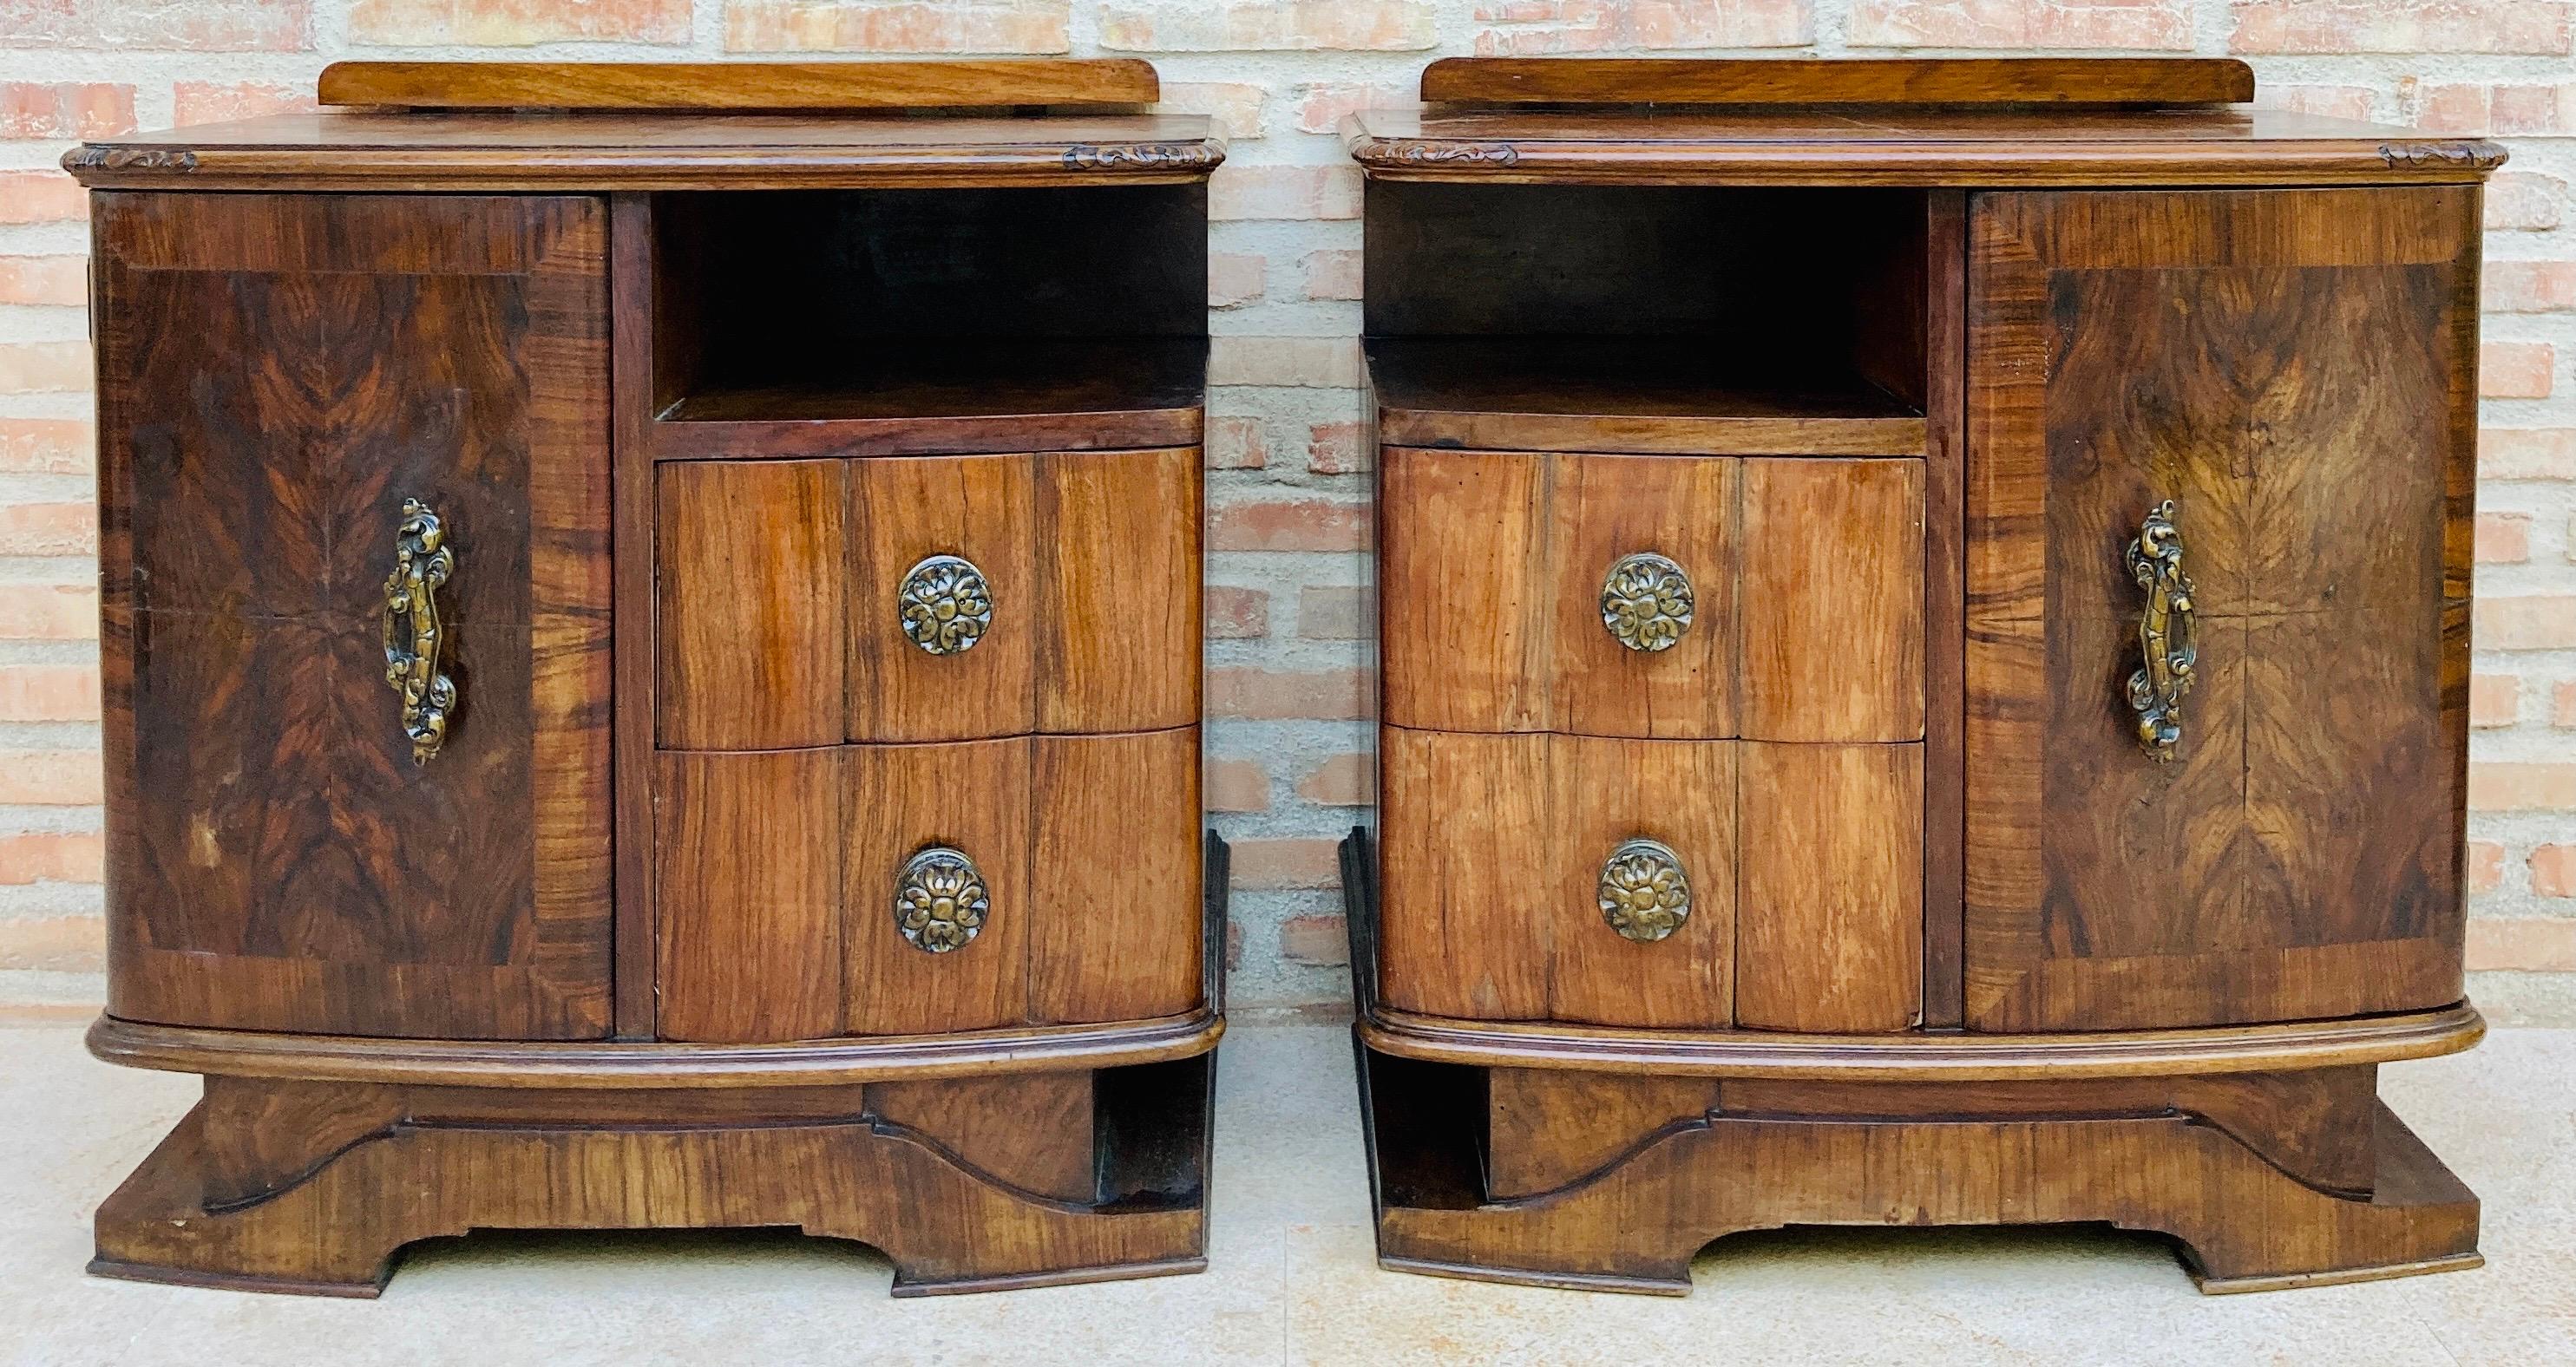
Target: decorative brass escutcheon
(423, 562)
(2166, 638)
(1646, 601)
(939, 900)
(947, 607)
(1645, 893)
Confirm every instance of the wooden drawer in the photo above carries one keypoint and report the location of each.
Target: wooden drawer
(808, 602)
(1803, 865)
(778, 876)
(1805, 582)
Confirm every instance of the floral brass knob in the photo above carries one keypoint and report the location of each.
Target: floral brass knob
(1646, 602)
(939, 900)
(1645, 893)
(947, 607)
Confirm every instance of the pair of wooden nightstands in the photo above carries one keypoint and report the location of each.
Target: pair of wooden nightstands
(652, 664)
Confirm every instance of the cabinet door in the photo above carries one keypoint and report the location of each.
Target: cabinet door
(2294, 372)
(278, 375)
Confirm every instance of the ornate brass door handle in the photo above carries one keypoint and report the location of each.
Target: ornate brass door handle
(940, 900)
(2166, 637)
(1646, 601)
(423, 561)
(947, 606)
(1645, 892)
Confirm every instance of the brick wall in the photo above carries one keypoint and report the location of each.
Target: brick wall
(1287, 618)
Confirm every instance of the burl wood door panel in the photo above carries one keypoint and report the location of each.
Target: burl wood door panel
(2294, 370)
(277, 375)
(778, 875)
(1493, 567)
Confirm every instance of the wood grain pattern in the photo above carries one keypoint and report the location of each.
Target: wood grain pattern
(1840, 542)
(1945, 351)
(973, 797)
(1600, 509)
(640, 344)
(1033, 1131)
(1546, 1130)
(2015, 81)
(1117, 545)
(752, 604)
(1114, 860)
(1464, 583)
(951, 83)
(747, 874)
(279, 863)
(982, 508)
(2300, 858)
(1829, 903)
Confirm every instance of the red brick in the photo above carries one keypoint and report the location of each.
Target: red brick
(49, 778)
(1266, 25)
(2516, 370)
(60, 280)
(224, 101)
(160, 25)
(1234, 443)
(67, 109)
(2506, 110)
(1335, 448)
(1291, 362)
(2407, 26)
(516, 23)
(1291, 863)
(48, 529)
(2523, 944)
(44, 367)
(1320, 941)
(1239, 191)
(2332, 101)
(1238, 107)
(1235, 785)
(51, 857)
(58, 944)
(48, 612)
(2485, 866)
(45, 446)
(2562, 703)
(1322, 105)
(48, 692)
(1521, 28)
(2494, 699)
(2525, 201)
(1282, 695)
(1292, 524)
(2527, 453)
(1235, 614)
(1333, 613)
(2158, 24)
(1341, 781)
(1333, 274)
(2524, 622)
(2519, 786)
(2529, 286)
(1235, 279)
(897, 25)
(2553, 870)
(2503, 538)
(40, 197)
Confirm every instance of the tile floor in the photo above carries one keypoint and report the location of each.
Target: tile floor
(1292, 1278)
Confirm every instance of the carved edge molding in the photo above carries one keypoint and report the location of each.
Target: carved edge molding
(2468, 155)
(129, 159)
(1141, 156)
(1430, 152)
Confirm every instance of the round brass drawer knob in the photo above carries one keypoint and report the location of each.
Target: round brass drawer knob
(1645, 893)
(947, 607)
(939, 900)
(1646, 602)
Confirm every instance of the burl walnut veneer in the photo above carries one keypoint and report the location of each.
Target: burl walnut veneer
(1924, 620)
(652, 666)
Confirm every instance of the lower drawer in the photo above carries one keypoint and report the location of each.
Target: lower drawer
(915, 889)
(1648, 883)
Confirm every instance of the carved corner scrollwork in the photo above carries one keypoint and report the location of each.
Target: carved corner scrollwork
(1141, 156)
(1435, 152)
(129, 159)
(2476, 156)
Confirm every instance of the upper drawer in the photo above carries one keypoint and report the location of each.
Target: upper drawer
(1673, 597)
(808, 602)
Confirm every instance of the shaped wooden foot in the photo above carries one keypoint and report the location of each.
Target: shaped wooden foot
(964, 1185)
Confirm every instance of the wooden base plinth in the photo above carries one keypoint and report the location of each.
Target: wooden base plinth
(1614, 1182)
(966, 1185)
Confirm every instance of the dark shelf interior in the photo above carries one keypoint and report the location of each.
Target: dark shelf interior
(1661, 377)
(966, 379)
